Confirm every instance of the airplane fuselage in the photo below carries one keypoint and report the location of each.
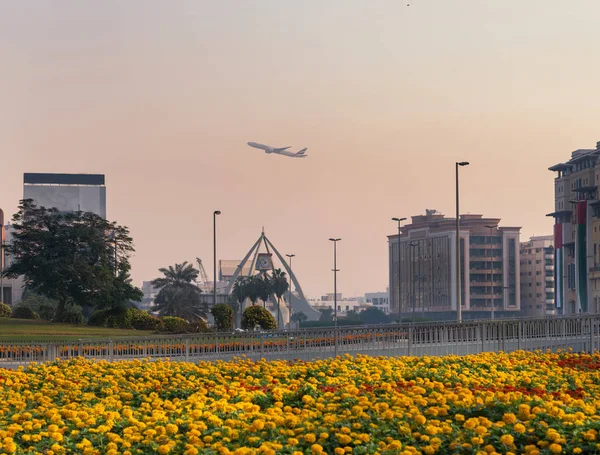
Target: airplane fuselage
(278, 151)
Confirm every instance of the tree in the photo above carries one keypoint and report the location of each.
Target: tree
(258, 316)
(223, 315)
(279, 285)
(252, 288)
(299, 317)
(71, 257)
(373, 315)
(264, 288)
(178, 295)
(326, 315)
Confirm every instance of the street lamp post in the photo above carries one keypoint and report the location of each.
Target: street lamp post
(290, 256)
(215, 213)
(491, 228)
(458, 288)
(335, 271)
(414, 245)
(399, 220)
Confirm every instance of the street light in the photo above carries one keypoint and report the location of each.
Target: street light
(491, 228)
(399, 220)
(290, 256)
(414, 245)
(458, 289)
(335, 271)
(215, 213)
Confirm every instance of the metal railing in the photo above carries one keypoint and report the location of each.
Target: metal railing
(581, 333)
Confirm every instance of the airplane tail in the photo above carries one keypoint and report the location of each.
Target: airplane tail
(303, 151)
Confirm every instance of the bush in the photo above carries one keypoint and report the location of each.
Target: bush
(142, 320)
(46, 312)
(223, 315)
(258, 316)
(199, 326)
(173, 324)
(23, 312)
(40, 304)
(5, 310)
(73, 315)
(114, 318)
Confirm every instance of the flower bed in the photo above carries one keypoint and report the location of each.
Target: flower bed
(489, 403)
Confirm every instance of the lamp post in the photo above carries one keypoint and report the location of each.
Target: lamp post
(399, 220)
(335, 271)
(290, 256)
(491, 228)
(215, 213)
(414, 245)
(458, 289)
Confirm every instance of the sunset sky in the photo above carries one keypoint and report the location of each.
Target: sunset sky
(162, 97)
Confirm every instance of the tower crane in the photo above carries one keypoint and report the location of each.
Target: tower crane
(205, 284)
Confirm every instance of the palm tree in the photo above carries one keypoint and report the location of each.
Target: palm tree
(178, 294)
(299, 318)
(264, 289)
(279, 285)
(240, 291)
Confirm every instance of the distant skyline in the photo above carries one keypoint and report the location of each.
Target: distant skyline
(163, 97)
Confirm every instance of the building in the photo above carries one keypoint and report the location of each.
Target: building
(426, 252)
(344, 305)
(577, 232)
(537, 276)
(65, 192)
(380, 300)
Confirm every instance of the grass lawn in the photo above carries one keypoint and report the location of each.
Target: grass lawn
(28, 330)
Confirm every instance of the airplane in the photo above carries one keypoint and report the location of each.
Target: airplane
(279, 151)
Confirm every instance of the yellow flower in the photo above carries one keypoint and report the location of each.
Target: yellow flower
(555, 448)
(316, 449)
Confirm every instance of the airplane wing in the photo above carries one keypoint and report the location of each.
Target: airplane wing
(281, 149)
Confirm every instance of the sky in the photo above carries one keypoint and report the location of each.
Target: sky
(162, 97)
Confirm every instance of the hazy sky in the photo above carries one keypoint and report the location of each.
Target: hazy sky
(162, 97)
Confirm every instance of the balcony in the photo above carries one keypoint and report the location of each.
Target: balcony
(549, 267)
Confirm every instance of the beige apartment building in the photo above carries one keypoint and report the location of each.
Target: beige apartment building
(422, 267)
(537, 276)
(577, 232)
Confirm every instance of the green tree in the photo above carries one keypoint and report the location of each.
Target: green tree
(299, 317)
(326, 315)
(279, 286)
(265, 288)
(178, 295)
(252, 288)
(258, 316)
(71, 257)
(373, 315)
(223, 315)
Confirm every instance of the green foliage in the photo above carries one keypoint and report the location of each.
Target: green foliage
(5, 310)
(178, 295)
(326, 315)
(174, 324)
(142, 320)
(23, 312)
(71, 257)
(299, 317)
(40, 304)
(373, 315)
(223, 315)
(199, 326)
(258, 316)
(115, 318)
(73, 314)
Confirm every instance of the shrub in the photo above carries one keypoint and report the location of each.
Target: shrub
(23, 312)
(73, 314)
(199, 326)
(174, 324)
(223, 315)
(142, 320)
(5, 310)
(258, 316)
(46, 312)
(114, 318)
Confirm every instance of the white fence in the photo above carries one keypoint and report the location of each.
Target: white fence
(581, 333)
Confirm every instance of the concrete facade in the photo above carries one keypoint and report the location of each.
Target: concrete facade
(426, 252)
(380, 300)
(576, 236)
(537, 276)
